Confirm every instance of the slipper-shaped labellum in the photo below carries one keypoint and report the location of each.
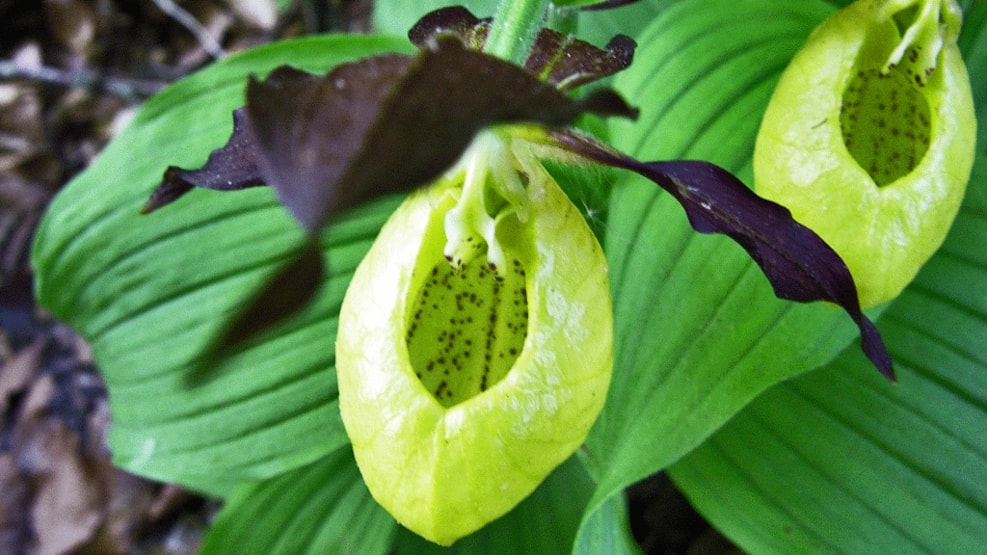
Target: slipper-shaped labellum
(869, 137)
(474, 349)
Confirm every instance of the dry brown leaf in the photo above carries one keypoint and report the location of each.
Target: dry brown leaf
(16, 372)
(14, 500)
(36, 402)
(21, 124)
(170, 498)
(125, 504)
(262, 14)
(66, 511)
(72, 24)
(215, 22)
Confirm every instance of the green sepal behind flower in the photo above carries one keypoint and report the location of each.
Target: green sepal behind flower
(462, 386)
(869, 138)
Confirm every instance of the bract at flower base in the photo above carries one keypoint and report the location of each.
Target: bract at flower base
(474, 349)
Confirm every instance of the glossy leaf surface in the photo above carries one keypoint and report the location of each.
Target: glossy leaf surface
(835, 461)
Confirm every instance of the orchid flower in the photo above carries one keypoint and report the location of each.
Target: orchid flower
(474, 349)
(392, 123)
(875, 155)
(375, 400)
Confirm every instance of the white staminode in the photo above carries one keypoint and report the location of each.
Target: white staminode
(936, 23)
(493, 190)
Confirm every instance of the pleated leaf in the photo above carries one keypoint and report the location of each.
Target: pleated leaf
(148, 292)
(323, 507)
(698, 331)
(607, 531)
(836, 461)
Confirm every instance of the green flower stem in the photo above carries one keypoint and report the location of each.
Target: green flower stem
(515, 25)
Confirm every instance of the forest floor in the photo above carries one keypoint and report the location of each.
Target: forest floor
(72, 74)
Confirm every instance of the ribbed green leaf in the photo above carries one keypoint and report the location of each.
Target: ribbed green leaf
(607, 531)
(320, 508)
(973, 45)
(544, 523)
(839, 461)
(598, 27)
(148, 292)
(698, 331)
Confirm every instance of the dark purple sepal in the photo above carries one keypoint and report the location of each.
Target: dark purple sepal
(456, 21)
(560, 60)
(230, 168)
(799, 265)
(392, 123)
(567, 62)
(310, 129)
(380, 125)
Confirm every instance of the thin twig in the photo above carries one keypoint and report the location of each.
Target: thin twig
(187, 20)
(89, 80)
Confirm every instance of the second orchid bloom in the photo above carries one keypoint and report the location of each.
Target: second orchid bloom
(475, 342)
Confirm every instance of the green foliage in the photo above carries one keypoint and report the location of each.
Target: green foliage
(836, 461)
(698, 332)
(833, 460)
(313, 509)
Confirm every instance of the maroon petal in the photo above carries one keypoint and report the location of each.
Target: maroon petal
(454, 20)
(230, 168)
(376, 126)
(567, 62)
(798, 263)
(369, 128)
(309, 130)
(557, 59)
(391, 123)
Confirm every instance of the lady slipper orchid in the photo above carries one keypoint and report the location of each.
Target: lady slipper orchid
(869, 137)
(475, 342)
